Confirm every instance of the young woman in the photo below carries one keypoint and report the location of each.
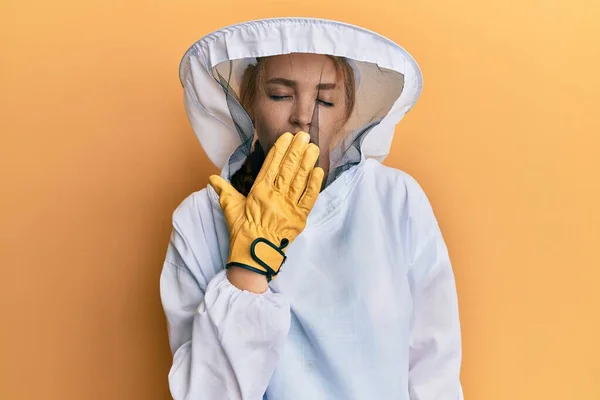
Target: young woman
(307, 269)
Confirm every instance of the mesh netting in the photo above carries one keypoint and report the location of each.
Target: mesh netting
(374, 92)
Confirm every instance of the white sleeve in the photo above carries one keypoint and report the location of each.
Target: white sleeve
(435, 345)
(225, 342)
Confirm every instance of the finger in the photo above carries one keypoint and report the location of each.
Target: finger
(265, 165)
(315, 181)
(300, 181)
(291, 161)
(228, 196)
(270, 167)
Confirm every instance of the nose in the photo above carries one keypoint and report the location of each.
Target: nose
(302, 114)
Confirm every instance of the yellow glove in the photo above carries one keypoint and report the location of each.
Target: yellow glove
(275, 211)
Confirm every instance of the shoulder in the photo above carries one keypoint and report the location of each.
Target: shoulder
(190, 217)
(193, 208)
(394, 182)
(195, 220)
(408, 207)
(194, 243)
(403, 197)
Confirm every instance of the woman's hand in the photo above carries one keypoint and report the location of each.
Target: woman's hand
(275, 211)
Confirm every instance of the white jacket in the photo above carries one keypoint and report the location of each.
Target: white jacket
(365, 306)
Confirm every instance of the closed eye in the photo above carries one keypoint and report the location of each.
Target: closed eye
(278, 98)
(281, 98)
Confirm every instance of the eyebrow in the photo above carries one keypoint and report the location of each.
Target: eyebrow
(292, 84)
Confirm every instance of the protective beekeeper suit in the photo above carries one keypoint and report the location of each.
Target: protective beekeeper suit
(363, 304)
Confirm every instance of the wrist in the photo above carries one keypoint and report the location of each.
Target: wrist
(258, 255)
(247, 280)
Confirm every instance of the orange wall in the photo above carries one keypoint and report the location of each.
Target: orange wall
(96, 153)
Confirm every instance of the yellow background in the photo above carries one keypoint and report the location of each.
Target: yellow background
(96, 153)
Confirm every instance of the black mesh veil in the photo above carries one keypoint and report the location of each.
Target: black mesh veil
(375, 90)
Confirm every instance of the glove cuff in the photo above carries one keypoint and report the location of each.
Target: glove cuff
(264, 257)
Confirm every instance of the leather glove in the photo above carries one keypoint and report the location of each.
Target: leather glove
(275, 211)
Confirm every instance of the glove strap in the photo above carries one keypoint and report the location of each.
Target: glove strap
(265, 253)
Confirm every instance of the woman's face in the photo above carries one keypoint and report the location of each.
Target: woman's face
(292, 86)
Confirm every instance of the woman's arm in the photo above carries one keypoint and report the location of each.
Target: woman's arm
(225, 341)
(435, 347)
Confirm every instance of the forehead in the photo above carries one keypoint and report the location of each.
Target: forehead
(302, 67)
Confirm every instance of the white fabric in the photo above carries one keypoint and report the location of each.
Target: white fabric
(367, 294)
(365, 306)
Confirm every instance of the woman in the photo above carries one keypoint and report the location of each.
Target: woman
(291, 281)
